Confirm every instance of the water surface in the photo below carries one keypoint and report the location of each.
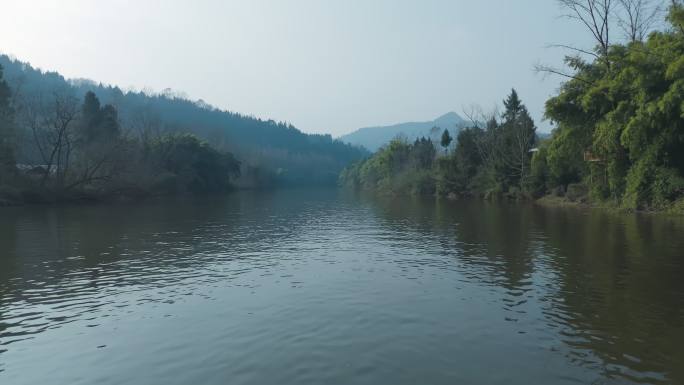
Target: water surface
(327, 287)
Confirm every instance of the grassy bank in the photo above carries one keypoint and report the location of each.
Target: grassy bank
(675, 208)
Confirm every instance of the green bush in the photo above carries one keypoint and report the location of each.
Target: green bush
(577, 192)
(667, 187)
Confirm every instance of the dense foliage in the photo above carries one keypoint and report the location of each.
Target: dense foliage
(619, 137)
(271, 152)
(83, 153)
(485, 160)
(399, 166)
(621, 123)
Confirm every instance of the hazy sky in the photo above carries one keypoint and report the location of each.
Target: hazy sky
(325, 66)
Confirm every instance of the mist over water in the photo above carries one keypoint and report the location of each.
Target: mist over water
(310, 287)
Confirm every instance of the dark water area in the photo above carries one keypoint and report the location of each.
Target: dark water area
(328, 287)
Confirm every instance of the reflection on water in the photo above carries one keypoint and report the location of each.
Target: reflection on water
(327, 287)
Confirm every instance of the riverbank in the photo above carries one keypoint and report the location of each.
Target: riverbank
(675, 208)
(581, 202)
(12, 197)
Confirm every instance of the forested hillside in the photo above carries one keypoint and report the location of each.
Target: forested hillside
(270, 152)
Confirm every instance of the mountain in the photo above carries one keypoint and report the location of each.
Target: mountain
(373, 138)
(275, 150)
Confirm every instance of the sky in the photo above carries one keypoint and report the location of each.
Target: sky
(325, 66)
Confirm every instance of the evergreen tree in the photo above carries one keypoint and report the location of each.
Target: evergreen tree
(518, 137)
(98, 124)
(109, 125)
(446, 140)
(513, 107)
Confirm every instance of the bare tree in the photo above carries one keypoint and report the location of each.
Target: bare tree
(638, 17)
(65, 114)
(474, 114)
(486, 143)
(595, 15)
(98, 163)
(52, 125)
(101, 157)
(551, 70)
(516, 155)
(147, 124)
(478, 116)
(67, 161)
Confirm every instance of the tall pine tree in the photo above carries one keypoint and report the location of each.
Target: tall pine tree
(517, 139)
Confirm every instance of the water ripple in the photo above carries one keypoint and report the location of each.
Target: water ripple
(308, 288)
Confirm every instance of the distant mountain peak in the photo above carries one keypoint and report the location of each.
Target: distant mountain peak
(451, 115)
(373, 138)
(449, 120)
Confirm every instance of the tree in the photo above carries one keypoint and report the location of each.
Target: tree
(491, 159)
(676, 15)
(99, 143)
(7, 145)
(516, 139)
(627, 122)
(423, 153)
(446, 140)
(268, 145)
(595, 16)
(513, 107)
(638, 17)
(194, 165)
(98, 123)
(457, 172)
(91, 114)
(146, 124)
(51, 121)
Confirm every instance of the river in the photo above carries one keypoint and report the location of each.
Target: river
(330, 287)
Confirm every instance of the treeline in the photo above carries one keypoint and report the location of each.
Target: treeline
(67, 139)
(84, 154)
(618, 141)
(271, 153)
(493, 159)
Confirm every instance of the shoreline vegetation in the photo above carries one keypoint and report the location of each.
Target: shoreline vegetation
(74, 141)
(85, 156)
(618, 141)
